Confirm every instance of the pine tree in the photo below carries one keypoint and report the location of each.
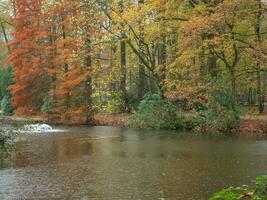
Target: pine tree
(6, 106)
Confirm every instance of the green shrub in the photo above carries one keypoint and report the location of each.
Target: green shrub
(132, 100)
(220, 119)
(111, 102)
(114, 103)
(154, 113)
(6, 106)
(189, 120)
(48, 105)
(222, 111)
(6, 142)
(259, 192)
(5, 80)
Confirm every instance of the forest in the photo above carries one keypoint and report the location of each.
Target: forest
(133, 99)
(168, 63)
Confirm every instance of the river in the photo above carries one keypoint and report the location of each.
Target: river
(114, 163)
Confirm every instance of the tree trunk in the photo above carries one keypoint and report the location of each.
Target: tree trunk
(52, 55)
(162, 61)
(212, 66)
(5, 35)
(233, 81)
(88, 84)
(66, 69)
(141, 84)
(123, 73)
(88, 66)
(258, 57)
(123, 60)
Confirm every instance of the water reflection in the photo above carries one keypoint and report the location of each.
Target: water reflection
(111, 163)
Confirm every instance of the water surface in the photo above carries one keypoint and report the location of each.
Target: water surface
(113, 163)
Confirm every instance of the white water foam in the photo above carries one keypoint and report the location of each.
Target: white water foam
(39, 128)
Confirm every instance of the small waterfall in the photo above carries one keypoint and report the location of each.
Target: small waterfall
(38, 128)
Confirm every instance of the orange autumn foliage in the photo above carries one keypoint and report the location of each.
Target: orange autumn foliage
(48, 59)
(26, 57)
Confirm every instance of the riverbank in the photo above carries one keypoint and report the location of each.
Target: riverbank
(250, 125)
(253, 125)
(99, 119)
(119, 120)
(17, 121)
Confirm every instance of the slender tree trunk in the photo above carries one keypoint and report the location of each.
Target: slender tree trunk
(259, 90)
(202, 67)
(88, 84)
(123, 72)
(123, 76)
(5, 35)
(233, 81)
(112, 52)
(141, 84)
(258, 57)
(212, 66)
(66, 70)
(53, 53)
(131, 80)
(250, 96)
(162, 61)
(89, 68)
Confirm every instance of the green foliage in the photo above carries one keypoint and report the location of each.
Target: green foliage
(6, 142)
(222, 112)
(5, 81)
(111, 102)
(6, 106)
(189, 120)
(226, 194)
(114, 104)
(132, 100)
(261, 187)
(48, 104)
(154, 113)
(259, 192)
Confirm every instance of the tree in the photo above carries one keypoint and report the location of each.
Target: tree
(6, 106)
(5, 81)
(29, 82)
(105, 55)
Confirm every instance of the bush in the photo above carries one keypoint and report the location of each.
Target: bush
(154, 113)
(6, 106)
(110, 102)
(6, 142)
(189, 120)
(222, 112)
(220, 119)
(259, 192)
(132, 101)
(5, 80)
(114, 103)
(219, 113)
(48, 105)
